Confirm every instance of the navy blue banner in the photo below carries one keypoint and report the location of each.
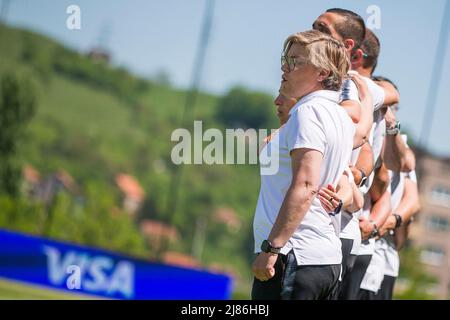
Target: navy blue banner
(85, 270)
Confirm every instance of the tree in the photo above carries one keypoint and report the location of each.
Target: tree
(418, 281)
(242, 108)
(17, 107)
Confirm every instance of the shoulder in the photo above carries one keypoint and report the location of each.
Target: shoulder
(307, 109)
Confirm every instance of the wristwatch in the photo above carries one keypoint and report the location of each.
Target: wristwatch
(398, 220)
(338, 208)
(267, 247)
(363, 178)
(394, 130)
(375, 231)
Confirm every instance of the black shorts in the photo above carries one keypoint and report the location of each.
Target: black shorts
(351, 284)
(293, 282)
(348, 261)
(366, 295)
(387, 288)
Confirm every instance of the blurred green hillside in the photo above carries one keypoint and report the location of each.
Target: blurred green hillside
(95, 121)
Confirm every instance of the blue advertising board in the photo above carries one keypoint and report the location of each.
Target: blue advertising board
(92, 271)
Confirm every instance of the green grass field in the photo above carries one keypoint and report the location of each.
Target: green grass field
(13, 290)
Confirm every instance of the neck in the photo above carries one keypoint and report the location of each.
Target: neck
(316, 88)
(364, 72)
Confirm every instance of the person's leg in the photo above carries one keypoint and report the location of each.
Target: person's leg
(316, 282)
(366, 295)
(390, 284)
(345, 274)
(387, 288)
(270, 289)
(347, 245)
(351, 262)
(351, 283)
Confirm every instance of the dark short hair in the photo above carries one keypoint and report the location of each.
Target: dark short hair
(352, 27)
(381, 78)
(371, 48)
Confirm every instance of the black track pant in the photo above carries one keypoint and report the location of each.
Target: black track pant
(350, 286)
(293, 282)
(387, 288)
(348, 261)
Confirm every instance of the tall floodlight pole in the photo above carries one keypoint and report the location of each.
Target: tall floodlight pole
(436, 77)
(188, 110)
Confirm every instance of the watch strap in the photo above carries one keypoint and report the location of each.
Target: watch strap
(267, 247)
(398, 220)
(395, 130)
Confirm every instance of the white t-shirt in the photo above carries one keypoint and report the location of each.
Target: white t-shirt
(351, 230)
(375, 271)
(412, 176)
(376, 140)
(392, 259)
(316, 122)
(367, 247)
(397, 180)
(349, 91)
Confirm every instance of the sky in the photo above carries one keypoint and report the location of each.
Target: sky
(150, 36)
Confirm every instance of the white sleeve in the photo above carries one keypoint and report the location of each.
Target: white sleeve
(364, 189)
(349, 91)
(378, 135)
(389, 188)
(350, 176)
(305, 130)
(412, 176)
(405, 139)
(377, 94)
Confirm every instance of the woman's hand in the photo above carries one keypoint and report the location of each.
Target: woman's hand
(329, 198)
(363, 90)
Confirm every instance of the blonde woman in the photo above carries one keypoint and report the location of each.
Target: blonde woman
(299, 252)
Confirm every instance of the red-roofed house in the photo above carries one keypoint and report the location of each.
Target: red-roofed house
(31, 180)
(132, 191)
(228, 217)
(157, 231)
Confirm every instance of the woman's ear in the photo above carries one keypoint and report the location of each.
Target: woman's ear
(323, 74)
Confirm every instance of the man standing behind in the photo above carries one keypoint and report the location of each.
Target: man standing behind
(405, 202)
(349, 27)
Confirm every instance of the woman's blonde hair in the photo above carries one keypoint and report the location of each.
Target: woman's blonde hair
(324, 53)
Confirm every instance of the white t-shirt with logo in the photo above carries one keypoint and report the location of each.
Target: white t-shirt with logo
(316, 122)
